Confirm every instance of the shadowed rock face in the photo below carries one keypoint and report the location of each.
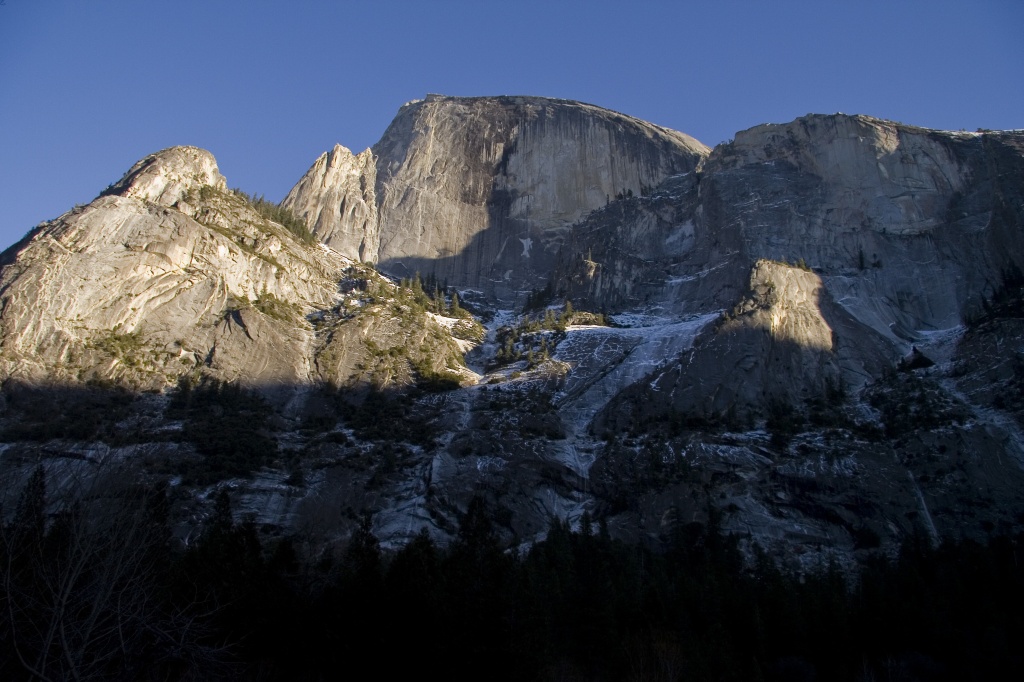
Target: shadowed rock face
(785, 343)
(907, 225)
(909, 228)
(483, 191)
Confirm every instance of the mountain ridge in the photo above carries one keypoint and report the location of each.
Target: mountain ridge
(763, 296)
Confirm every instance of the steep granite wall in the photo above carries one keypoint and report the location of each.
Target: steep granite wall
(907, 225)
(482, 191)
(909, 228)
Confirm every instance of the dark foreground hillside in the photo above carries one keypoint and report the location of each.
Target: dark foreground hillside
(98, 590)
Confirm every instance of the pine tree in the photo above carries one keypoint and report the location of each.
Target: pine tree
(30, 515)
(549, 319)
(566, 317)
(362, 562)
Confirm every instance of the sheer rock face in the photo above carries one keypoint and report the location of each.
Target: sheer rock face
(483, 191)
(875, 174)
(909, 228)
(337, 199)
(654, 251)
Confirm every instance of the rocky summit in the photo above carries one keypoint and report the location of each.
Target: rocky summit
(812, 332)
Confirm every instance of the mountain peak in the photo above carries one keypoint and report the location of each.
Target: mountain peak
(166, 176)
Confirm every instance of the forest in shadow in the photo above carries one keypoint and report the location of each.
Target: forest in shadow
(98, 589)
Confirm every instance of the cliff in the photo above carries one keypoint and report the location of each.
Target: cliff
(910, 229)
(482, 191)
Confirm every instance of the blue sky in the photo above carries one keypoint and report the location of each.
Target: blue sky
(89, 87)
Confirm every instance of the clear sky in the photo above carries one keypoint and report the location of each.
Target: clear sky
(87, 87)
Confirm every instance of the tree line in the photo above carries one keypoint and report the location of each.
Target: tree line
(98, 588)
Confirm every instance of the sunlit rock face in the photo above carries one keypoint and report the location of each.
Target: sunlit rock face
(165, 177)
(483, 191)
(155, 279)
(337, 199)
(169, 275)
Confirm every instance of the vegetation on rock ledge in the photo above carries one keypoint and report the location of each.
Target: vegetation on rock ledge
(278, 214)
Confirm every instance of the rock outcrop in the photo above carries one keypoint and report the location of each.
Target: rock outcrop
(781, 346)
(337, 199)
(166, 177)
